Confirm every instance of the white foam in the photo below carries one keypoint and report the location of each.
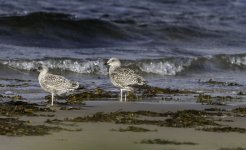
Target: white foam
(95, 66)
(238, 60)
(162, 68)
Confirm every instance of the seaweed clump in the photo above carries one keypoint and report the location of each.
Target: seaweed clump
(215, 109)
(13, 108)
(213, 82)
(97, 93)
(186, 118)
(15, 85)
(189, 118)
(116, 117)
(217, 100)
(224, 129)
(15, 127)
(238, 148)
(132, 97)
(15, 97)
(165, 142)
(153, 91)
(240, 111)
(133, 129)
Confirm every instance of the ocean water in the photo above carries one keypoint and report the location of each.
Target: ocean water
(172, 43)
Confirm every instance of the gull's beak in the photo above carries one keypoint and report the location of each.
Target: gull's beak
(106, 63)
(34, 70)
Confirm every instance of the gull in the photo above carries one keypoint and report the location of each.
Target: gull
(55, 84)
(124, 78)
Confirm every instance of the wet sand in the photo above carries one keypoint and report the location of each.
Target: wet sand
(99, 135)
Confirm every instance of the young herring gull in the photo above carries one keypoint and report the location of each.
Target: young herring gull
(55, 84)
(124, 78)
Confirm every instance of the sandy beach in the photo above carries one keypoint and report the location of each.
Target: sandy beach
(100, 135)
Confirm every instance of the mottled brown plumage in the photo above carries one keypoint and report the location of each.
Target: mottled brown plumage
(124, 78)
(55, 84)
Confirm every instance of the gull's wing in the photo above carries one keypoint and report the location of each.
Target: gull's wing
(127, 77)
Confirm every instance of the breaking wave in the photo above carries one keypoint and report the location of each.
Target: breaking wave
(164, 66)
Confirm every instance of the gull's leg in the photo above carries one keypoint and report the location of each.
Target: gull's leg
(52, 99)
(125, 95)
(121, 95)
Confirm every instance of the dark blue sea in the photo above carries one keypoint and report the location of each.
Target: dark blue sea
(177, 44)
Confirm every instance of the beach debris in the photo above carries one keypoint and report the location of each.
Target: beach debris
(61, 123)
(184, 119)
(101, 94)
(215, 100)
(213, 82)
(15, 85)
(238, 148)
(189, 118)
(215, 109)
(16, 127)
(165, 142)
(19, 108)
(97, 94)
(240, 111)
(53, 121)
(133, 129)
(241, 93)
(116, 117)
(16, 80)
(154, 91)
(14, 97)
(224, 129)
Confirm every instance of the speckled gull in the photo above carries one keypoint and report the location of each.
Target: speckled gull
(55, 84)
(124, 78)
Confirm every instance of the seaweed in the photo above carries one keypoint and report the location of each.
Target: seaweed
(54, 121)
(15, 127)
(207, 99)
(13, 108)
(224, 129)
(103, 117)
(15, 85)
(60, 122)
(133, 129)
(241, 93)
(238, 148)
(189, 118)
(17, 80)
(152, 113)
(97, 93)
(132, 97)
(71, 108)
(165, 142)
(217, 100)
(153, 91)
(215, 109)
(15, 97)
(213, 82)
(116, 117)
(240, 110)
(186, 118)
